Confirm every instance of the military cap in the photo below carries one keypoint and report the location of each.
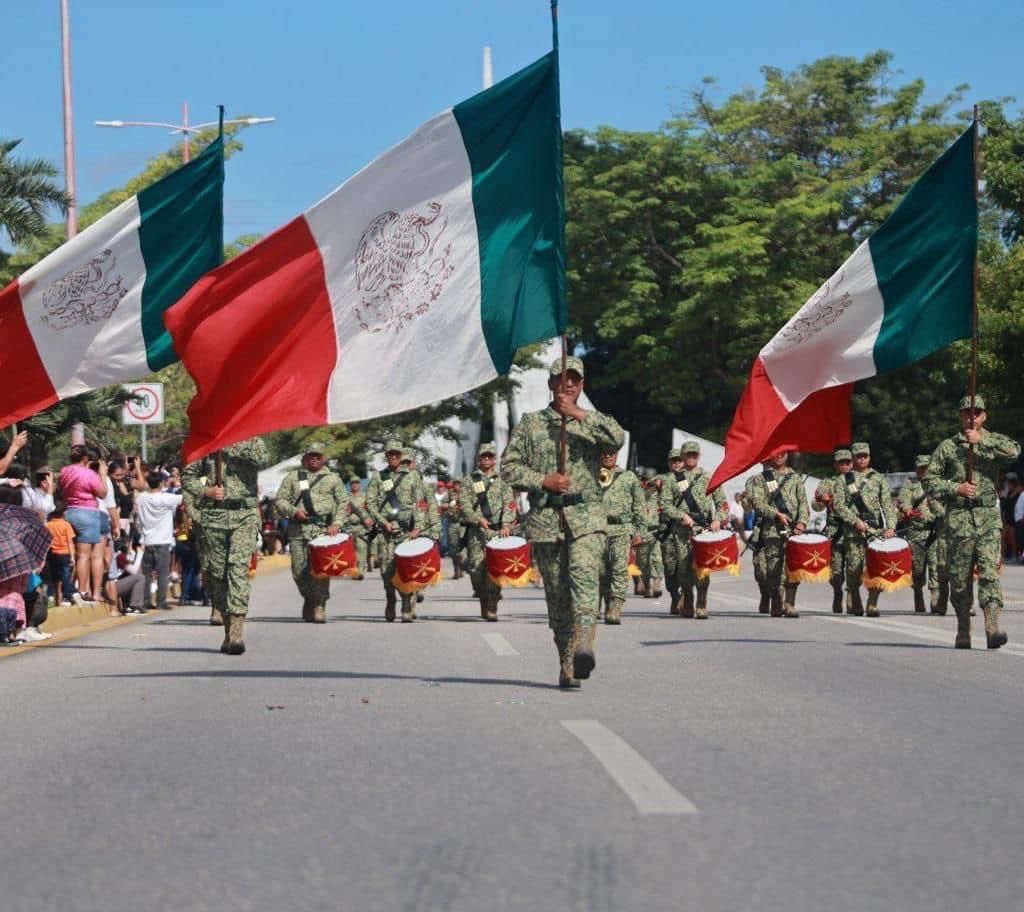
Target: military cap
(923, 460)
(842, 456)
(315, 446)
(487, 449)
(979, 403)
(689, 446)
(572, 363)
(861, 449)
(675, 453)
(355, 478)
(394, 445)
(408, 455)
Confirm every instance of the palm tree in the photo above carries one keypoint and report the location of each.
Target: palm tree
(27, 191)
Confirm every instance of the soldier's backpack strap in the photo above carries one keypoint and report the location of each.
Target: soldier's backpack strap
(480, 488)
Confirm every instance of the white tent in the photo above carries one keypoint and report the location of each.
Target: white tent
(269, 480)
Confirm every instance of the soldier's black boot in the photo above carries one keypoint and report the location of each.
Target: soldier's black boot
(583, 661)
(307, 610)
(993, 634)
(919, 599)
(766, 598)
(483, 607)
(776, 602)
(789, 601)
(854, 605)
(963, 627)
(657, 589)
(701, 609)
(389, 607)
(837, 599)
(943, 602)
(673, 605)
(407, 610)
(686, 608)
(872, 609)
(491, 614)
(566, 681)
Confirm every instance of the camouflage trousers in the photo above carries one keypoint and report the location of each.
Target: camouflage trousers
(648, 559)
(855, 551)
(925, 557)
(942, 554)
(313, 590)
(476, 566)
(614, 573)
(570, 570)
(770, 563)
(362, 550)
(677, 551)
(387, 570)
(224, 555)
(973, 544)
(837, 567)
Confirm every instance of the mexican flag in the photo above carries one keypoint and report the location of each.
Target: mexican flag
(904, 293)
(416, 280)
(91, 313)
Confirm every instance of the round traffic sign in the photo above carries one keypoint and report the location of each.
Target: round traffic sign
(148, 408)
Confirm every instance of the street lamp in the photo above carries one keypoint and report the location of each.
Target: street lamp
(184, 127)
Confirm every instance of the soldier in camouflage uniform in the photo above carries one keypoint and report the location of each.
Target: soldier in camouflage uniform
(864, 505)
(314, 501)
(394, 502)
(778, 497)
(626, 513)
(432, 526)
(648, 549)
(488, 508)
(229, 528)
(456, 529)
(566, 523)
(359, 524)
(973, 521)
(688, 508)
(919, 527)
(824, 499)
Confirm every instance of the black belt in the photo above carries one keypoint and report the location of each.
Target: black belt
(615, 521)
(564, 500)
(969, 503)
(231, 503)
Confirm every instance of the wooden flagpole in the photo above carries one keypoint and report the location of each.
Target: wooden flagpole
(974, 304)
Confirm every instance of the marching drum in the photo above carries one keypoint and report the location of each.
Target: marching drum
(714, 552)
(509, 561)
(417, 565)
(332, 555)
(890, 564)
(808, 558)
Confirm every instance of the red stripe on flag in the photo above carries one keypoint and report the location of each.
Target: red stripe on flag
(257, 336)
(762, 427)
(25, 387)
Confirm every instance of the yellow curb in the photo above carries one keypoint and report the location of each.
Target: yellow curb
(272, 563)
(72, 632)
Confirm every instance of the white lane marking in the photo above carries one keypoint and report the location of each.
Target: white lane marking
(922, 633)
(649, 791)
(499, 644)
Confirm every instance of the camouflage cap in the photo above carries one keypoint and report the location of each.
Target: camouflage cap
(315, 446)
(572, 363)
(861, 449)
(675, 453)
(408, 455)
(842, 456)
(689, 446)
(923, 460)
(394, 445)
(979, 403)
(355, 479)
(487, 449)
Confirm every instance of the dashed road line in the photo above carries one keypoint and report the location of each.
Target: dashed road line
(649, 791)
(499, 644)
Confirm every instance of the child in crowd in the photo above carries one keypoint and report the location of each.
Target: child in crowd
(125, 579)
(61, 556)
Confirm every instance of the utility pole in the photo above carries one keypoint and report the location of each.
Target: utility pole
(69, 127)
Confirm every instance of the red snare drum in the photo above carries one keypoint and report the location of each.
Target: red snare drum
(417, 565)
(509, 561)
(333, 555)
(808, 558)
(889, 565)
(715, 552)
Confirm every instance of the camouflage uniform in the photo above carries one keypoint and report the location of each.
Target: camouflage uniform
(677, 549)
(973, 525)
(648, 552)
(396, 498)
(768, 540)
(356, 527)
(920, 529)
(834, 529)
(455, 533)
(626, 512)
(879, 516)
(228, 531)
(568, 558)
(500, 500)
(330, 508)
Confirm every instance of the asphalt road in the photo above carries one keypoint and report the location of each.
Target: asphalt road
(742, 762)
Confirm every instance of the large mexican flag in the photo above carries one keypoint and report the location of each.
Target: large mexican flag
(904, 293)
(416, 280)
(91, 313)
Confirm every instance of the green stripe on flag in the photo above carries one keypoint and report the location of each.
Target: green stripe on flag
(924, 261)
(182, 237)
(511, 134)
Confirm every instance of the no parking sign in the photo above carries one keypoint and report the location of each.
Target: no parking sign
(148, 405)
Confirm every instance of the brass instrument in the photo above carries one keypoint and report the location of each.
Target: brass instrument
(605, 477)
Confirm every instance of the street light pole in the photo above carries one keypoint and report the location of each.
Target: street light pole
(187, 152)
(185, 128)
(69, 127)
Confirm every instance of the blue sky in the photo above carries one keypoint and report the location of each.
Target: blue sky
(347, 79)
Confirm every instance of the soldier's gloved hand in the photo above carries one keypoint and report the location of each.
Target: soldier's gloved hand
(860, 525)
(715, 526)
(967, 489)
(556, 484)
(300, 514)
(889, 533)
(215, 492)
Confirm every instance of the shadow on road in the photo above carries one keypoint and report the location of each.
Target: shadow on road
(903, 645)
(722, 640)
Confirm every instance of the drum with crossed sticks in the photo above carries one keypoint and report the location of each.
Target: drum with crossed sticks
(417, 565)
(716, 552)
(889, 565)
(332, 556)
(808, 558)
(509, 561)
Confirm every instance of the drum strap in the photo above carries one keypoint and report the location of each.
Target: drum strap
(393, 500)
(481, 499)
(307, 495)
(692, 507)
(858, 499)
(778, 501)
